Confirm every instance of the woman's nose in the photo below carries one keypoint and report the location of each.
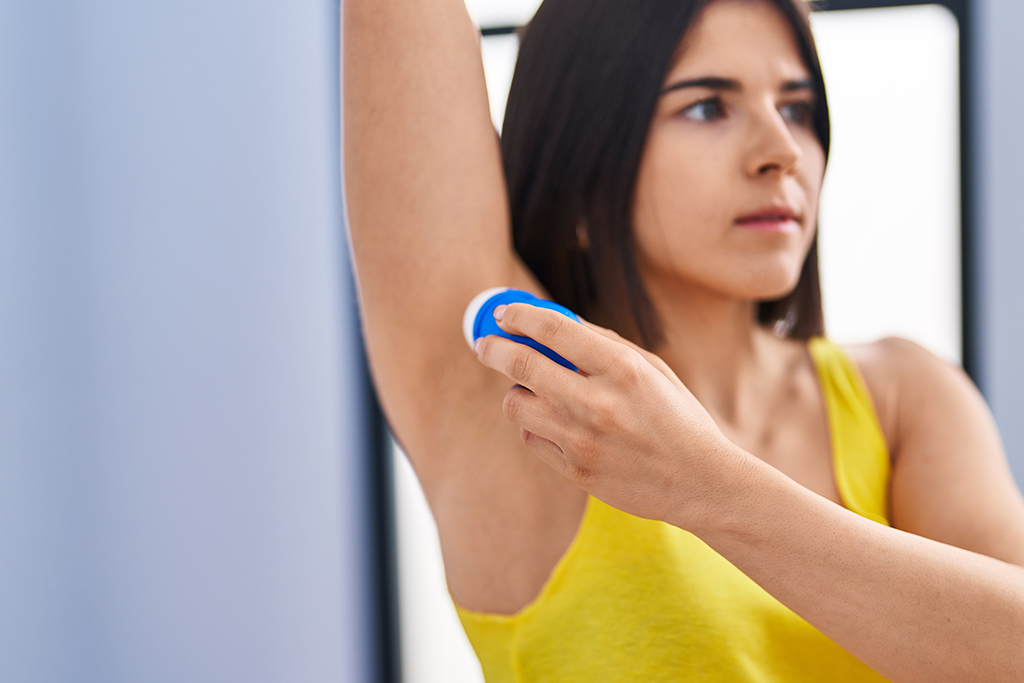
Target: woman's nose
(773, 149)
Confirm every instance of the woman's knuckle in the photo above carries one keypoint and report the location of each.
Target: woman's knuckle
(632, 366)
(520, 366)
(551, 326)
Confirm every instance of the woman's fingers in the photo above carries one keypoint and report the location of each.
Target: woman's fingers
(585, 349)
(527, 367)
(593, 349)
(537, 420)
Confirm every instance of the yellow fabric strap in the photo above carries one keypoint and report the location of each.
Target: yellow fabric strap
(860, 455)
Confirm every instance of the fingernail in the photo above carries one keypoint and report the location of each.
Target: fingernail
(476, 345)
(499, 312)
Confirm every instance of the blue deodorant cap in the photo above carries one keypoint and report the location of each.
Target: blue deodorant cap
(479, 318)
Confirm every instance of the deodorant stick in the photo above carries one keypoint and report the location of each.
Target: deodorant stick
(479, 321)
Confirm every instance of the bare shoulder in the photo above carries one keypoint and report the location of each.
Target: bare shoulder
(896, 369)
(897, 360)
(891, 351)
(950, 481)
(918, 395)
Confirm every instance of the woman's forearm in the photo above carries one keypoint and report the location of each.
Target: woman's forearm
(911, 608)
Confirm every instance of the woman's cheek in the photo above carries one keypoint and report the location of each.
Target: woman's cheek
(675, 185)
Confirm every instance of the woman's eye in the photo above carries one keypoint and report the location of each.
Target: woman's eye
(799, 113)
(705, 110)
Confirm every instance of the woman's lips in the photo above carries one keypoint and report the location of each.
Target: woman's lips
(769, 222)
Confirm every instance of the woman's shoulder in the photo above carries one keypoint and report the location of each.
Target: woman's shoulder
(895, 360)
(895, 356)
(900, 373)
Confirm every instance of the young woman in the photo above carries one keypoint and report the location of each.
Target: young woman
(719, 493)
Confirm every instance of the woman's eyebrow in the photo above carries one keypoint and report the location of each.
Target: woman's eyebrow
(805, 84)
(709, 82)
(718, 83)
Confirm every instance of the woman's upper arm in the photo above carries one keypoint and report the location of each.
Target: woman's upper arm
(950, 481)
(426, 203)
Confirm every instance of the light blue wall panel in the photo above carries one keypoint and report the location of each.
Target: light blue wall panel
(182, 484)
(999, 131)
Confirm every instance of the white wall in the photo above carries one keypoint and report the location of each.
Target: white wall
(434, 646)
(890, 208)
(182, 492)
(490, 13)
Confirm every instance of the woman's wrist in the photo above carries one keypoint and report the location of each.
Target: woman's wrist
(739, 490)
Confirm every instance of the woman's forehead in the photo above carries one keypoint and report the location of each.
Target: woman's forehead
(740, 40)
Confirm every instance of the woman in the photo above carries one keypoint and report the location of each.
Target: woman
(711, 496)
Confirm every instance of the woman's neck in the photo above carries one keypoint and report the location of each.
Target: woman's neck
(717, 348)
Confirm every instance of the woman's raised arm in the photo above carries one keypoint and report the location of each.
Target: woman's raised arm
(426, 203)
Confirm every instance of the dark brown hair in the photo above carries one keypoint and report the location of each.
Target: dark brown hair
(586, 86)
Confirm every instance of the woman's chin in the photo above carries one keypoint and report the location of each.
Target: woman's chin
(758, 281)
(776, 293)
(770, 286)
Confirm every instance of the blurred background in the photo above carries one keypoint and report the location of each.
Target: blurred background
(195, 481)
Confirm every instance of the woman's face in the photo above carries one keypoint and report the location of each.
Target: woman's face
(727, 193)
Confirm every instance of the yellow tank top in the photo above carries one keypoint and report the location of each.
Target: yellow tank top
(640, 600)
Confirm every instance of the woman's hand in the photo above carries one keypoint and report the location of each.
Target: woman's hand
(624, 428)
